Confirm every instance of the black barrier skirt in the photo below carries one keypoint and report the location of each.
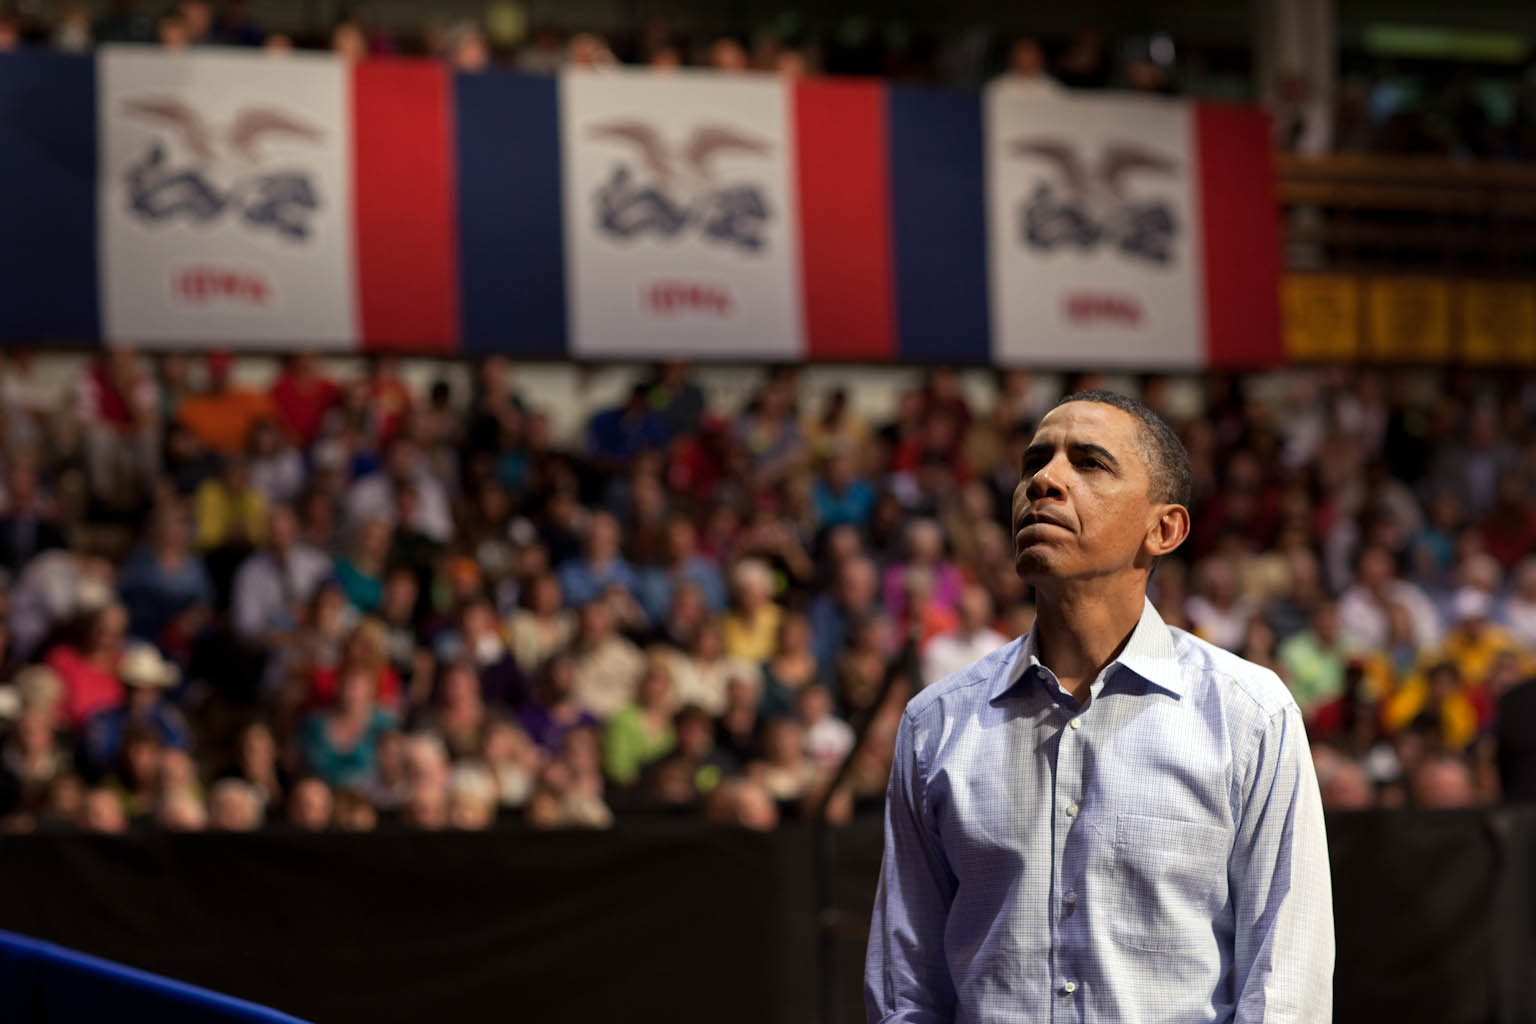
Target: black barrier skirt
(679, 921)
(658, 923)
(1416, 903)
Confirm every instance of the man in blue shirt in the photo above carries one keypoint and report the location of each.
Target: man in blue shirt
(659, 584)
(601, 565)
(834, 615)
(841, 495)
(1106, 820)
(617, 435)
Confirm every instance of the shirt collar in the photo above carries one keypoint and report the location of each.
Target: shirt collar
(1149, 653)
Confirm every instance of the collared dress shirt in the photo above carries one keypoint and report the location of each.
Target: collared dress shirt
(1157, 855)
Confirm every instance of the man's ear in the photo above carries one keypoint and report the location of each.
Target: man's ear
(1169, 530)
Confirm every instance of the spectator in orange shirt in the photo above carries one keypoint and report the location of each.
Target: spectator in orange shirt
(222, 416)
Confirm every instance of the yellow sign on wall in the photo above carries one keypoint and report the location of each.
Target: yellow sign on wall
(1498, 322)
(1321, 316)
(1410, 319)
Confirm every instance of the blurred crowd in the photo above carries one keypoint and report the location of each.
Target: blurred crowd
(855, 46)
(1441, 108)
(346, 603)
(1429, 109)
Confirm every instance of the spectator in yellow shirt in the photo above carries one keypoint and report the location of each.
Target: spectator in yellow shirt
(1475, 642)
(1440, 696)
(751, 627)
(229, 510)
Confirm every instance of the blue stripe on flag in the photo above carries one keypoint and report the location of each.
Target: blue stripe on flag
(48, 284)
(938, 211)
(511, 236)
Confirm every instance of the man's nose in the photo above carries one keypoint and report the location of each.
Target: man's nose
(1043, 484)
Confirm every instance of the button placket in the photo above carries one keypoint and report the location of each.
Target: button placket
(1068, 785)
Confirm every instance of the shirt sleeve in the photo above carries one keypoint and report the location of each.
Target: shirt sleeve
(1281, 893)
(906, 975)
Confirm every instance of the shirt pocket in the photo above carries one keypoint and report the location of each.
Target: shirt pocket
(1170, 880)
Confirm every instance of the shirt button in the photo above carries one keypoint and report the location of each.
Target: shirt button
(1076, 723)
(1070, 897)
(1069, 987)
(1071, 810)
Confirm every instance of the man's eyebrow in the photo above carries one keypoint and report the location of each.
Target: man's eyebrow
(1077, 448)
(1097, 451)
(1040, 448)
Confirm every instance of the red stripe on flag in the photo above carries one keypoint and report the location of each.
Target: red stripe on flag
(1242, 236)
(845, 220)
(402, 169)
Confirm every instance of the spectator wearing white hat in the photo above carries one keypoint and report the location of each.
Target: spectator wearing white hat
(1475, 642)
(145, 676)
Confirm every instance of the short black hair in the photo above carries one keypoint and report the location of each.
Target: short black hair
(1167, 459)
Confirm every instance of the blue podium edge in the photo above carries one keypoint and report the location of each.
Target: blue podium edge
(26, 952)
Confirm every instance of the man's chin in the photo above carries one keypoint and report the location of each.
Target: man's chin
(1034, 563)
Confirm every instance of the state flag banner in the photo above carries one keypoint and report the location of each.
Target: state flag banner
(224, 198)
(1094, 234)
(680, 216)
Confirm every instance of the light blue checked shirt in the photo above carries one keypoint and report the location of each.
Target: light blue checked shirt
(1157, 856)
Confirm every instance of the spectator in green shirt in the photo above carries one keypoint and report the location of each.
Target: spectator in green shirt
(642, 732)
(1313, 660)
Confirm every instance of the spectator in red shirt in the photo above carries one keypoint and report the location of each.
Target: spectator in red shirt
(390, 398)
(303, 397)
(1509, 528)
(88, 669)
(366, 651)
